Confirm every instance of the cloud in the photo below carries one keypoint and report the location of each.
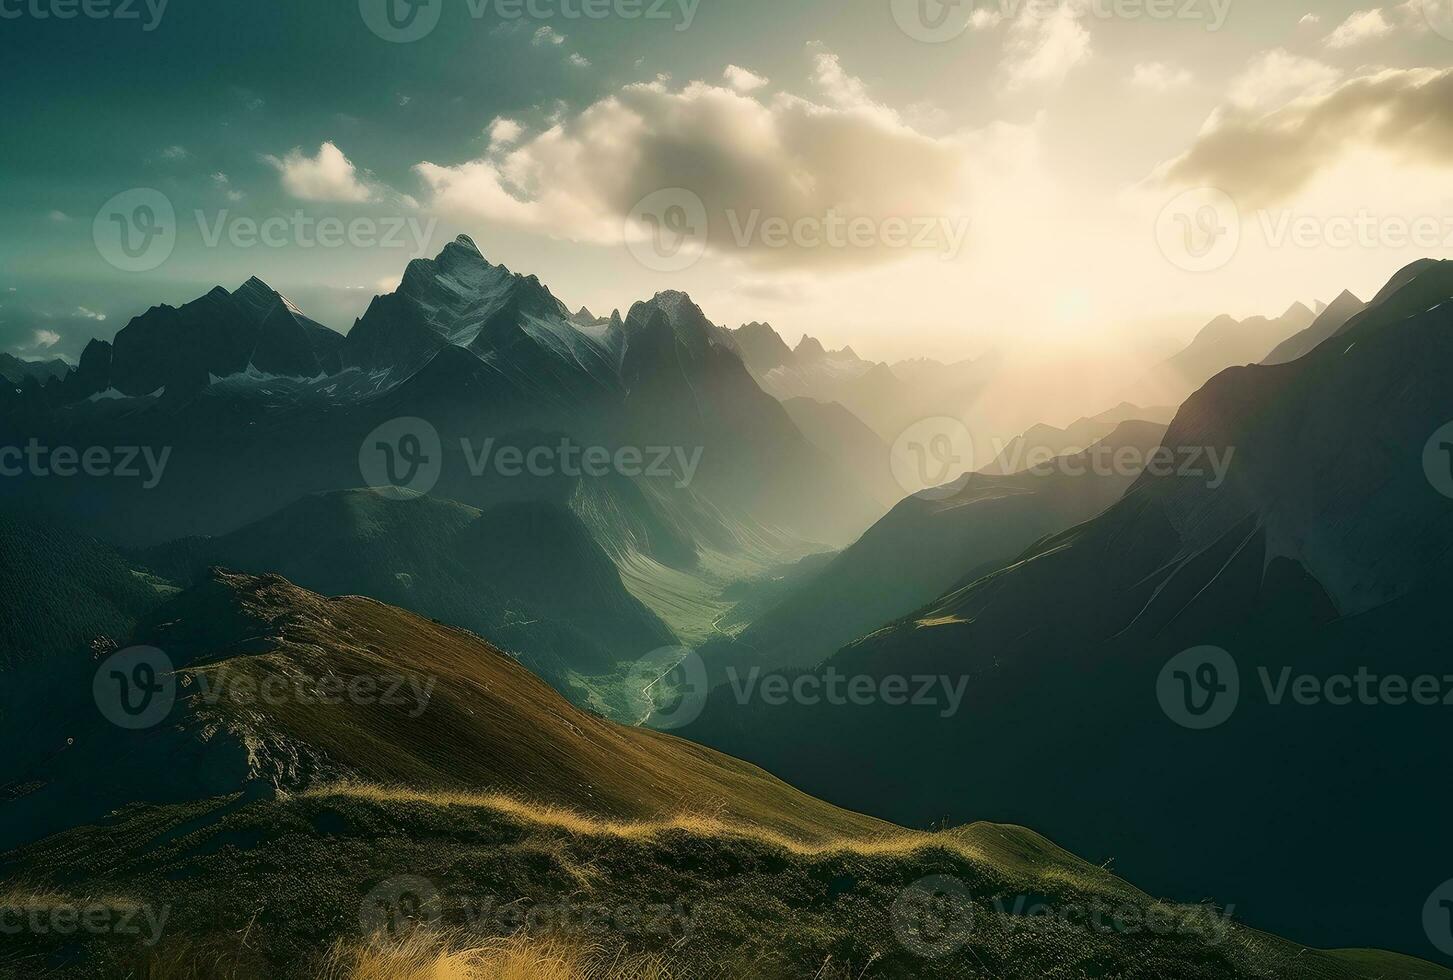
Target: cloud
(1159, 76)
(578, 60)
(47, 332)
(780, 156)
(742, 80)
(1309, 20)
(1362, 26)
(842, 89)
(175, 153)
(1044, 46)
(223, 183)
(1278, 75)
(504, 132)
(547, 35)
(59, 217)
(985, 18)
(327, 176)
(1262, 156)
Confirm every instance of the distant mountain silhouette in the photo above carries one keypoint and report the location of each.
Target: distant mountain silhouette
(1329, 321)
(1047, 441)
(1224, 342)
(846, 438)
(931, 541)
(888, 398)
(16, 370)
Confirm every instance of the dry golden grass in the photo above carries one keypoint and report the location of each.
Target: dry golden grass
(24, 899)
(887, 845)
(426, 957)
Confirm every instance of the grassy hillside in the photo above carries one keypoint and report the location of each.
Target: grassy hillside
(688, 898)
(501, 811)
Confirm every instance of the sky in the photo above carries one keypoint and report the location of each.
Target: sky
(906, 176)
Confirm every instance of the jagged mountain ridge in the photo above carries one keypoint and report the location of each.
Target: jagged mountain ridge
(257, 419)
(1222, 343)
(180, 349)
(16, 370)
(1330, 320)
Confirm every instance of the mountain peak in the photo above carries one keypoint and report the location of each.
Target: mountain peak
(810, 347)
(259, 298)
(1299, 311)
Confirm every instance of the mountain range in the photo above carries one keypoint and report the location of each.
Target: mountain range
(1285, 515)
(477, 352)
(1322, 553)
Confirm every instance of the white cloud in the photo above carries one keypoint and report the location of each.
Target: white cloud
(985, 18)
(43, 340)
(175, 153)
(578, 60)
(1261, 155)
(1361, 27)
(1044, 46)
(59, 217)
(742, 80)
(841, 89)
(1309, 20)
(1159, 76)
(327, 176)
(781, 156)
(548, 35)
(1274, 77)
(504, 132)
